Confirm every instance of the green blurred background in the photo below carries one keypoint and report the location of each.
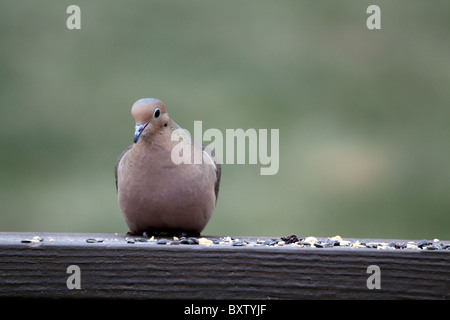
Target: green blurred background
(363, 115)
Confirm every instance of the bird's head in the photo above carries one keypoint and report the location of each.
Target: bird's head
(150, 116)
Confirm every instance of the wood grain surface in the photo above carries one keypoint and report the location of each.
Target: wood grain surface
(114, 268)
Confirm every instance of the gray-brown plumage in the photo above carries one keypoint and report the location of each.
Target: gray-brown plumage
(155, 194)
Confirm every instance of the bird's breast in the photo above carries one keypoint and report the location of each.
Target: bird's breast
(152, 188)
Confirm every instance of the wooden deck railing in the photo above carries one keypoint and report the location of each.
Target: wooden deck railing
(58, 265)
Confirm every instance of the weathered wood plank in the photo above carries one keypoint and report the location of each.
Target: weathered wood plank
(117, 269)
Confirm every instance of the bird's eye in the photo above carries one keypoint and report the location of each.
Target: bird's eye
(157, 113)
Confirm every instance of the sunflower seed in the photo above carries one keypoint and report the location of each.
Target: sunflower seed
(193, 240)
(423, 243)
(161, 241)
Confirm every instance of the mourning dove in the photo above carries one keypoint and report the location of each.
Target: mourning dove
(155, 194)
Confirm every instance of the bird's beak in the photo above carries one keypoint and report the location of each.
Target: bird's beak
(138, 129)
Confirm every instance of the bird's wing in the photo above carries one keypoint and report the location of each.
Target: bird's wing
(118, 161)
(218, 174)
(217, 168)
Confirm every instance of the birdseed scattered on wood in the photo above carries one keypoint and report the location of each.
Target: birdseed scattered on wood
(193, 240)
(423, 243)
(162, 241)
(205, 242)
(385, 248)
(323, 244)
(311, 240)
(336, 238)
(357, 244)
(292, 240)
(345, 243)
(37, 239)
